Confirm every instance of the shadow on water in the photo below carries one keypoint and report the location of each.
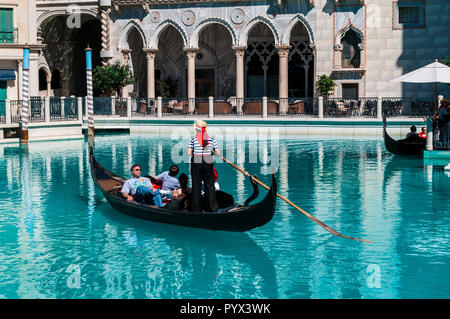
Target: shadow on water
(193, 242)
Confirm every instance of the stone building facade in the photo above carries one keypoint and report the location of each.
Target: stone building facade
(240, 48)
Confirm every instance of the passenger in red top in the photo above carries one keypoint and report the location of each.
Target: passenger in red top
(423, 134)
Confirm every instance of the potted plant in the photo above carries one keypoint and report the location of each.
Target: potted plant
(324, 85)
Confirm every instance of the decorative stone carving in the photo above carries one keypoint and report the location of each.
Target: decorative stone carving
(150, 53)
(191, 53)
(146, 8)
(283, 50)
(188, 17)
(155, 16)
(237, 16)
(239, 52)
(126, 55)
(361, 2)
(273, 11)
(105, 24)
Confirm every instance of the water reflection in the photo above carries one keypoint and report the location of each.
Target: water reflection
(354, 186)
(193, 263)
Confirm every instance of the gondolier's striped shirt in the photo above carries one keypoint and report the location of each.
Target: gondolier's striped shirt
(198, 149)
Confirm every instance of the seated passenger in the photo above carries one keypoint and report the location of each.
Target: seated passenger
(181, 196)
(413, 132)
(423, 134)
(169, 181)
(140, 189)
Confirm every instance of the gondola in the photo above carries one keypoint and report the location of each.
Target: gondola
(235, 218)
(413, 145)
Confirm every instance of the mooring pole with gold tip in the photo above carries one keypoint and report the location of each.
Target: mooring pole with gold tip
(89, 95)
(25, 112)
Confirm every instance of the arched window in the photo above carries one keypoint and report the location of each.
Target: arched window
(351, 53)
(42, 80)
(56, 79)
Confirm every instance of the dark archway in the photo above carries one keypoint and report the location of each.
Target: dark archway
(138, 63)
(64, 51)
(170, 62)
(301, 63)
(261, 63)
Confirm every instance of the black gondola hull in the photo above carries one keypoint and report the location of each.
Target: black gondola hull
(407, 146)
(242, 219)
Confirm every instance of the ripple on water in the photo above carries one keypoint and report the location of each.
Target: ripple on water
(57, 231)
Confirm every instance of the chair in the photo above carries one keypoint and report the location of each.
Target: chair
(252, 107)
(298, 107)
(181, 107)
(202, 107)
(222, 107)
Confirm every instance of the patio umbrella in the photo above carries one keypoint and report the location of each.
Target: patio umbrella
(431, 73)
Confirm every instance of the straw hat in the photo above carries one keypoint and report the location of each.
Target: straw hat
(199, 124)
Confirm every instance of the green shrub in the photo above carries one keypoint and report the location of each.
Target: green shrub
(324, 84)
(111, 78)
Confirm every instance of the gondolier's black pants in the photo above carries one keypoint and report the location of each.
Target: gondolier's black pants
(202, 170)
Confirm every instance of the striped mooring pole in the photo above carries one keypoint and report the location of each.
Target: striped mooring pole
(26, 69)
(89, 97)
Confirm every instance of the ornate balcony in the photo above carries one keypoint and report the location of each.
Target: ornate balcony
(8, 36)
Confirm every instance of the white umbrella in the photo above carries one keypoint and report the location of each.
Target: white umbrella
(431, 73)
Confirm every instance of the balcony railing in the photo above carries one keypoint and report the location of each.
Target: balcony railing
(70, 108)
(8, 36)
(441, 135)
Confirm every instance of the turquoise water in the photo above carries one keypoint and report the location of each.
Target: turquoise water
(60, 239)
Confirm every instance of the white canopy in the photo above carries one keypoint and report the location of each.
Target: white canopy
(431, 73)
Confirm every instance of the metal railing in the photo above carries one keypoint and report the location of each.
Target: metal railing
(36, 109)
(441, 135)
(339, 107)
(16, 111)
(9, 36)
(413, 107)
(2, 111)
(56, 113)
(102, 105)
(70, 109)
(67, 108)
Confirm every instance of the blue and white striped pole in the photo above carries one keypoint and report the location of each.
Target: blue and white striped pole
(89, 97)
(26, 68)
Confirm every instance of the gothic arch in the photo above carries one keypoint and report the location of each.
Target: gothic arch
(198, 29)
(249, 26)
(123, 41)
(154, 39)
(63, 12)
(286, 38)
(345, 29)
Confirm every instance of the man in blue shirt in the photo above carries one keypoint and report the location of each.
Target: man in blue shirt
(169, 178)
(140, 189)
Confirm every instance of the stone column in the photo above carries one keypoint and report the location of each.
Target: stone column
(49, 86)
(191, 53)
(337, 56)
(283, 85)
(239, 52)
(151, 54)
(126, 55)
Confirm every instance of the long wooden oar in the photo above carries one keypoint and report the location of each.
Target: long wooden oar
(328, 228)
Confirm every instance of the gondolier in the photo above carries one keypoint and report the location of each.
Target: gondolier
(201, 149)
